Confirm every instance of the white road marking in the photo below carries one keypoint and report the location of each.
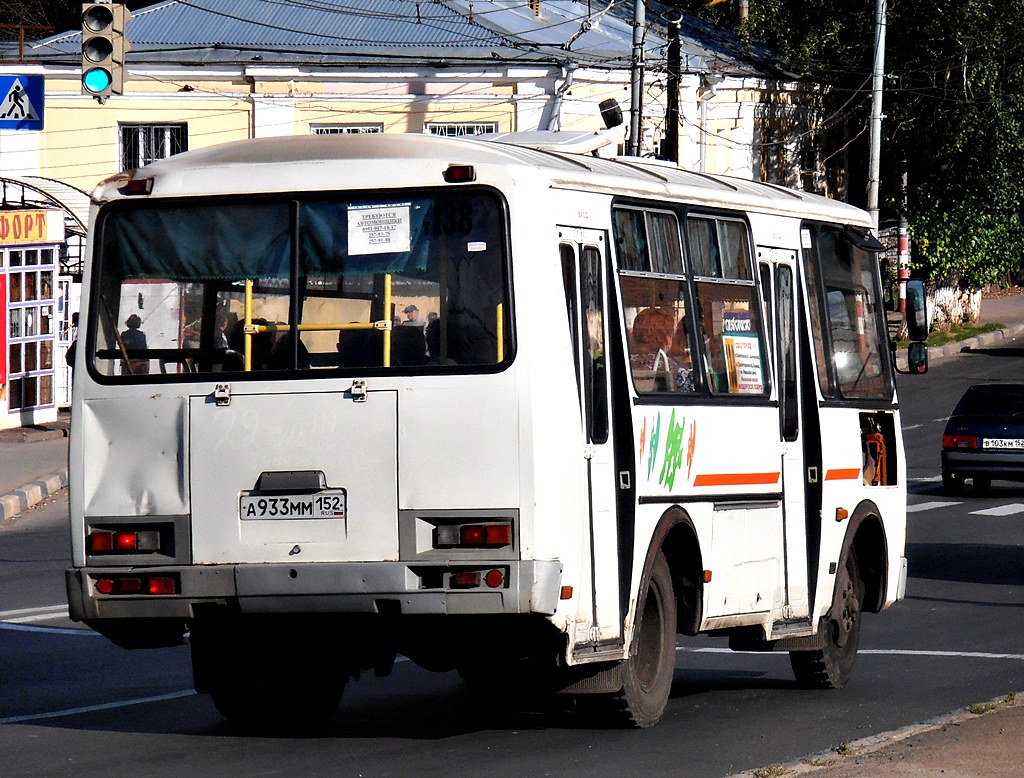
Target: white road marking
(875, 651)
(13, 614)
(93, 708)
(49, 630)
(1010, 509)
(927, 506)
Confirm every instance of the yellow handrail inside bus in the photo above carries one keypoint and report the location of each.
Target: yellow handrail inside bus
(500, 330)
(387, 314)
(249, 329)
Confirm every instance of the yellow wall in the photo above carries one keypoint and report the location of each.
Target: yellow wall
(80, 143)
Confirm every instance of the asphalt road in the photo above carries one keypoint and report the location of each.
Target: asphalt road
(73, 704)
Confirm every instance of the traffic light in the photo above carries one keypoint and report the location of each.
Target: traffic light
(104, 46)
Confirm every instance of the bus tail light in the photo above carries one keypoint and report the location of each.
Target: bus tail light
(465, 579)
(459, 174)
(137, 584)
(474, 535)
(959, 441)
(476, 579)
(485, 535)
(102, 541)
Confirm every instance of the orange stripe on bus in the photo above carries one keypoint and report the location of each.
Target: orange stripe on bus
(736, 479)
(843, 474)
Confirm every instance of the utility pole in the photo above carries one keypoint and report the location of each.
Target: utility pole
(876, 111)
(636, 78)
(670, 144)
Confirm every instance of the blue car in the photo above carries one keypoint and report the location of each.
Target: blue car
(984, 438)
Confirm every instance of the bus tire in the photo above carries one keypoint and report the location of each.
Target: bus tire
(832, 666)
(277, 704)
(647, 675)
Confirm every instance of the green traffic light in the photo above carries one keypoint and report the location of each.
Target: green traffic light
(97, 80)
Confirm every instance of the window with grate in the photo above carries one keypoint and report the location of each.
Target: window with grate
(460, 129)
(145, 143)
(345, 129)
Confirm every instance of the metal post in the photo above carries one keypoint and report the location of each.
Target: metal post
(636, 78)
(670, 148)
(876, 111)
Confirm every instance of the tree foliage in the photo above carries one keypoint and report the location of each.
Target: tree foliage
(954, 108)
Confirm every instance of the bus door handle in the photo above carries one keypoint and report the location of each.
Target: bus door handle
(358, 390)
(222, 394)
(812, 475)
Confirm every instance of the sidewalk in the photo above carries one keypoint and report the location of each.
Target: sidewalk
(987, 743)
(33, 465)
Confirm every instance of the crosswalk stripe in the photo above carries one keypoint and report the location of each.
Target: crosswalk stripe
(1010, 509)
(927, 506)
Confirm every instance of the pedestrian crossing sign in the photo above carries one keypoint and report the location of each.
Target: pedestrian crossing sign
(21, 102)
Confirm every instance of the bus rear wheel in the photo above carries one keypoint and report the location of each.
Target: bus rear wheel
(268, 675)
(832, 666)
(647, 676)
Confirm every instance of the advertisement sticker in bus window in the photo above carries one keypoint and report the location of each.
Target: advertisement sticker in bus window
(378, 229)
(805, 239)
(742, 354)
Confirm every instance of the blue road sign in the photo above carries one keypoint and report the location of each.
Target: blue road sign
(21, 102)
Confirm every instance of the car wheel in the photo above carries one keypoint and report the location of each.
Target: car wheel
(953, 485)
(982, 485)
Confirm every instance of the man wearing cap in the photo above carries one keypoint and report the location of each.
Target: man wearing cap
(413, 319)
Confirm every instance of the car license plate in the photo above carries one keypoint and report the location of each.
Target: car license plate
(1003, 443)
(328, 504)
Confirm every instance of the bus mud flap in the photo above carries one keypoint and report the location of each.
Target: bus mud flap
(593, 679)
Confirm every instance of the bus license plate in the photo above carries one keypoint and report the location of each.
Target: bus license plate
(328, 504)
(1003, 443)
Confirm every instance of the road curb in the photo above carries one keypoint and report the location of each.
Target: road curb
(957, 347)
(20, 500)
(827, 760)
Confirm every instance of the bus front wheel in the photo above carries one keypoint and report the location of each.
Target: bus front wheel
(831, 667)
(647, 676)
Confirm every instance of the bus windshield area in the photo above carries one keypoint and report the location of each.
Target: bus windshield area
(846, 315)
(297, 285)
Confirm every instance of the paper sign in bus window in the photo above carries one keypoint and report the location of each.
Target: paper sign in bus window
(742, 353)
(378, 229)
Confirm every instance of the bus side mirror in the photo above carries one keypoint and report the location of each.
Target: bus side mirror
(917, 312)
(917, 357)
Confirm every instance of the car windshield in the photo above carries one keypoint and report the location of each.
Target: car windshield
(994, 400)
(279, 286)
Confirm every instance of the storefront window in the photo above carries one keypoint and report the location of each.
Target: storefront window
(29, 327)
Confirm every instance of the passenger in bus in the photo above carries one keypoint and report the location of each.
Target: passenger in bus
(434, 347)
(650, 341)
(408, 346)
(412, 317)
(360, 348)
(134, 339)
(261, 344)
(680, 353)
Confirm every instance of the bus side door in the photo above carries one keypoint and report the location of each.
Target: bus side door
(584, 270)
(779, 285)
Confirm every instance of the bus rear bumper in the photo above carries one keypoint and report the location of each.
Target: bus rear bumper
(337, 587)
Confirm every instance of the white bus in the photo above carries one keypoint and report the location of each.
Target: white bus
(506, 410)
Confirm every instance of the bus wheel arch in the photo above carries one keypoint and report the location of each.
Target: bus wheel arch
(676, 537)
(866, 536)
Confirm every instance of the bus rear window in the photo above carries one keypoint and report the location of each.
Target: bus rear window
(388, 282)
